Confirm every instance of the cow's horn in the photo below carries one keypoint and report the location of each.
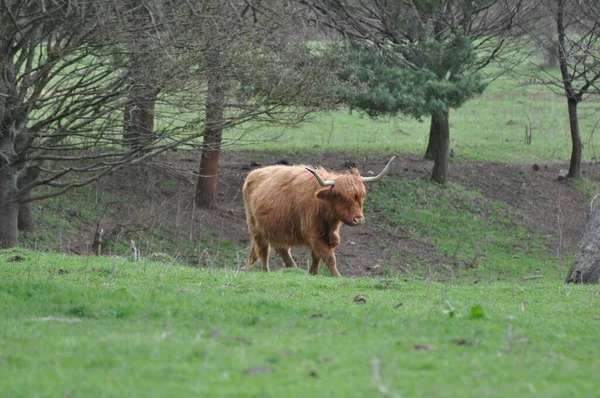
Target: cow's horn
(328, 183)
(380, 175)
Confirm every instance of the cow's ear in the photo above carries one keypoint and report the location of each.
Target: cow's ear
(325, 193)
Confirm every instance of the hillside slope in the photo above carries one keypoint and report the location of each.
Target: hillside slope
(413, 226)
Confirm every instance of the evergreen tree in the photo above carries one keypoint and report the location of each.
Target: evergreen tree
(418, 57)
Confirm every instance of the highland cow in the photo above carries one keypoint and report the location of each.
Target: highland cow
(296, 206)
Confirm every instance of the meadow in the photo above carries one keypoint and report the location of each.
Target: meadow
(105, 327)
(491, 127)
(75, 326)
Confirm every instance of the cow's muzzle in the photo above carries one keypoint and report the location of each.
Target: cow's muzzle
(357, 221)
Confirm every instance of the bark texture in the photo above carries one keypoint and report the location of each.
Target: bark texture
(441, 152)
(207, 186)
(573, 97)
(576, 151)
(26, 220)
(9, 208)
(432, 143)
(138, 121)
(586, 266)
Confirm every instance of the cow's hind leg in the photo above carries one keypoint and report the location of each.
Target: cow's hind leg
(262, 249)
(286, 256)
(252, 256)
(258, 250)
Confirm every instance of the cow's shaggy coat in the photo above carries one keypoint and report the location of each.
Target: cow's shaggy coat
(286, 206)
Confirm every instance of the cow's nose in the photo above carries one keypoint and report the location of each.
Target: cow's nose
(358, 220)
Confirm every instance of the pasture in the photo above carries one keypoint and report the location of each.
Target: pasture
(108, 327)
(490, 127)
(448, 310)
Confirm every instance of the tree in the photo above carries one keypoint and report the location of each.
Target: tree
(256, 61)
(374, 83)
(64, 76)
(207, 186)
(149, 52)
(586, 265)
(77, 75)
(573, 32)
(417, 33)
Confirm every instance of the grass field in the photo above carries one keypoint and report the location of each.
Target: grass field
(489, 127)
(482, 235)
(107, 327)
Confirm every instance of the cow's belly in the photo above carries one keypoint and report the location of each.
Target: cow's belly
(287, 234)
(279, 239)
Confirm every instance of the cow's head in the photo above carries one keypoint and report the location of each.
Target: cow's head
(346, 194)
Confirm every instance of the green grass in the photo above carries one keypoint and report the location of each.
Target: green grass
(67, 214)
(148, 329)
(484, 237)
(490, 127)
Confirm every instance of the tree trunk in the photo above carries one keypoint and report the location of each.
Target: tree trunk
(439, 123)
(551, 54)
(586, 266)
(207, 186)
(432, 143)
(435, 127)
(572, 98)
(575, 164)
(26, 221)
(9, 208)
(138, 121)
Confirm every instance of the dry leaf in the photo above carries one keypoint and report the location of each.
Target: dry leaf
(424, 347)
(460, 341)
(258, 370)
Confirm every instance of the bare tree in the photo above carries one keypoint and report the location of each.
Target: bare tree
(255, 61)
(586, 265)
(64, 78)
(206, 188)
(571, 29)
(149, 52)
(77, 75)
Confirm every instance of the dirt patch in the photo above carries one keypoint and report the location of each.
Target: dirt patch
(161, 194)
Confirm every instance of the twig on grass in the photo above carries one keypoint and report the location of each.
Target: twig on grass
(376, 367)
(528, 278)
(316, 335)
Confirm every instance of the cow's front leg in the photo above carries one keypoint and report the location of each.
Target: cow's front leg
(321, 250)
(333, 239)
(314, 266)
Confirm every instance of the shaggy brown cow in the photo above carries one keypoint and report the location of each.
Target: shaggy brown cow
(296, 206)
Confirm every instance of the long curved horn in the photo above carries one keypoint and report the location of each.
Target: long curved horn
(380, 175)
(328, 183)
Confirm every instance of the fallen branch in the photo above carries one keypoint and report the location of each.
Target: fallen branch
(376, 367)
(528, 278)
